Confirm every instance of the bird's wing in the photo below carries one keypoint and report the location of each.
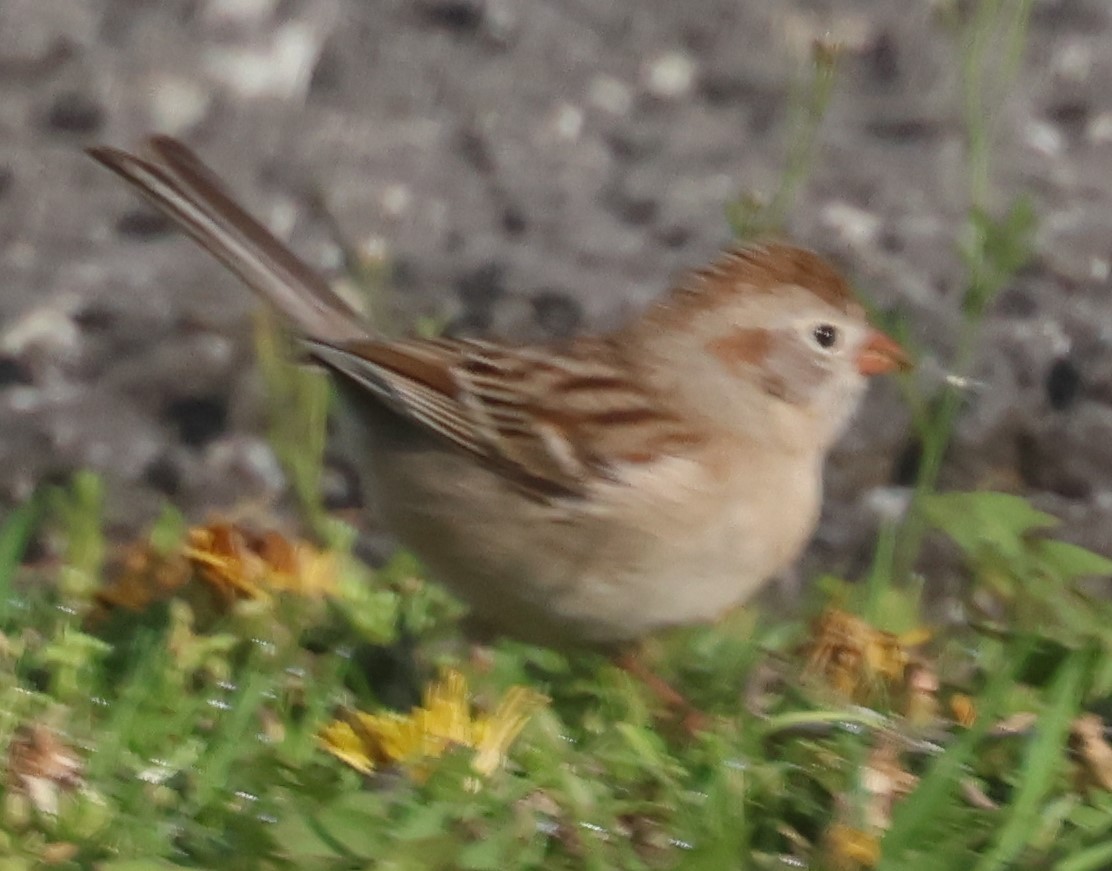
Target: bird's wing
(554, 422)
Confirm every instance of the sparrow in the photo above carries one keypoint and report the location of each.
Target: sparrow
(590, 492)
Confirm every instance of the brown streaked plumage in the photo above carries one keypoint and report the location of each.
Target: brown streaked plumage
(590, 492)
(745, 346)
(761, 268)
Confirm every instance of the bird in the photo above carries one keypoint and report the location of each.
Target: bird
(591, 491)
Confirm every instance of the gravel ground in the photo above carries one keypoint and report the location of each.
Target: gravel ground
(533, 168)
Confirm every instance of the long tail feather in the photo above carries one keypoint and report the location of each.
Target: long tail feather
(177, 183)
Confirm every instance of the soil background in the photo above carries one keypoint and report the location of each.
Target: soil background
(534, 168)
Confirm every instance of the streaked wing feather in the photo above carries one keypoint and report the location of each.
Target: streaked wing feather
(554, 424)
(413, 399)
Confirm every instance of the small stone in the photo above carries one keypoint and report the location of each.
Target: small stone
(1044, 138)
(482, 286)
(889, 503)
(884, 57)
(198, 420)
(237, 464)
(50, 328)
(567, 121)
(396, 200)
(1063, 384)
(13, 372)
(514, 221)
(557, 314)
(905, 469)
(856, 226)
(164, 476)
(610, 94)
(143, 223)
(670, 76)
(340, 486)
(1074, 63)
(1099, 129)
(224, 12)
(461, 16)
(74, 112)
(502, 19)
(1072, 116)
(282, 69)
(177, 104)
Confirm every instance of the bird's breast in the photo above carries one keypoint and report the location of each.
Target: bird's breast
(699, 545)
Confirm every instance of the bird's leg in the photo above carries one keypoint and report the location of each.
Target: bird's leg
(692, 720)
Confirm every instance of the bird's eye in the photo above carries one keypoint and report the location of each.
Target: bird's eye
(826, 335)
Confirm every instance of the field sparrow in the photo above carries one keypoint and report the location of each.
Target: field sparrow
(593, 491)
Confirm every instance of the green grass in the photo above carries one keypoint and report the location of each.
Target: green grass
(197, 737)
(195, 727)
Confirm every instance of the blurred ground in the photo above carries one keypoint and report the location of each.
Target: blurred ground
(533, 167)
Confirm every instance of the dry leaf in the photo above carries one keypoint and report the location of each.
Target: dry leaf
(1092, 751)
(43, 766)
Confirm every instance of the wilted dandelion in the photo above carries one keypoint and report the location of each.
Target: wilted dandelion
(42, 766)
(245, 566)
(862, 662)
(229, 561)
(144, 576)
(1090, 748)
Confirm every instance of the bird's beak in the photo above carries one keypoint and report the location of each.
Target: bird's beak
(881, 353)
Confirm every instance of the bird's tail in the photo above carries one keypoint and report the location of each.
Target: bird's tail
(179, 185)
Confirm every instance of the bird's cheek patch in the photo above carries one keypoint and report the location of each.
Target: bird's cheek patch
(741, 348)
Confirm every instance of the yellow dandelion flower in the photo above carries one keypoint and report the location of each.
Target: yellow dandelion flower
(444, 721)
(342, 741)
(314, 572)
(494, 734)
(848, 849)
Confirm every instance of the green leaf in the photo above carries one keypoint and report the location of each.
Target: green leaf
(169, 530)
(1096, 858)
(1008, 240)
(486, 854)
(346, 827)
(79, 510)
(1070, 561)
(995, 250)
(976, 519)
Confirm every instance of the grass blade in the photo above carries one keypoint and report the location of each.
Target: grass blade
(1043, 760)
(14, 537)
(925, 808)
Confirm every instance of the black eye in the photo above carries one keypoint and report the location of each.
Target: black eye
(826, 335)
